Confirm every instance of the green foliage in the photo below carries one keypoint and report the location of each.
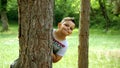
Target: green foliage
(71, 8)
(3, 4)
(97, 19)
(65, 8)
(94, 4)
(12, 9)
(12, 5)
(0, 5)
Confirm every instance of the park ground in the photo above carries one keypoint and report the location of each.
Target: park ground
(104, 49)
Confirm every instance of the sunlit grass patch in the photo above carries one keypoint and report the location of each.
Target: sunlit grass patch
(104, 58)
(8, 53)
(9, 49)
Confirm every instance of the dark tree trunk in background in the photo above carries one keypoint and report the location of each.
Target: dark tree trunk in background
(104, 13)
(35, 27)
(3, 14)
(84, 34)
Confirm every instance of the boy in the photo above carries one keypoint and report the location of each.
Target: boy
(60, 44)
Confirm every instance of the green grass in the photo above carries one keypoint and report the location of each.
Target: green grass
(103, 49)
(8, 46)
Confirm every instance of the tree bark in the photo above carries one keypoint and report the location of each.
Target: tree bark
(83, 34)
(35, 39)
(4, 20)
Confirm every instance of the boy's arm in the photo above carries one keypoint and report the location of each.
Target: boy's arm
(55, 57)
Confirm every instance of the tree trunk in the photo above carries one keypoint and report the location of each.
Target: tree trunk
(35, 39)
(4, 18)
(83, 34)
(104, 13)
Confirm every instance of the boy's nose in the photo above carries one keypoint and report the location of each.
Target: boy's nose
(68, 28)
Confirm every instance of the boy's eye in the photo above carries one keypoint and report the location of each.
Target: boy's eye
(66, 24)
(71, 28)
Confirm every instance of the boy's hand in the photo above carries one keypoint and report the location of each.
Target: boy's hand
(55, 57)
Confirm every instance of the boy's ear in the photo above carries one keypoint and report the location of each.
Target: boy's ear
(59, 25)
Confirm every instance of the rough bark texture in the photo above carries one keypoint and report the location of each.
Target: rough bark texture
(83, 34)
(35, 27)
(4, 20)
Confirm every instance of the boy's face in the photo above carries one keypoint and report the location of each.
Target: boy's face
(66, 27)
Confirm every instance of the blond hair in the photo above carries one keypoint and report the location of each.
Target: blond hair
(68, 19)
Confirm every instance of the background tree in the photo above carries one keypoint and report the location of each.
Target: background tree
(104, 13)
(35, 27)
(83, 34)
(3, 13)
(97, 19)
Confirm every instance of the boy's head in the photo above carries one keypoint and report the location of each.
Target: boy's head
(67, 25)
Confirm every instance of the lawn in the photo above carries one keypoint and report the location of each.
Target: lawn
(104, 49)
